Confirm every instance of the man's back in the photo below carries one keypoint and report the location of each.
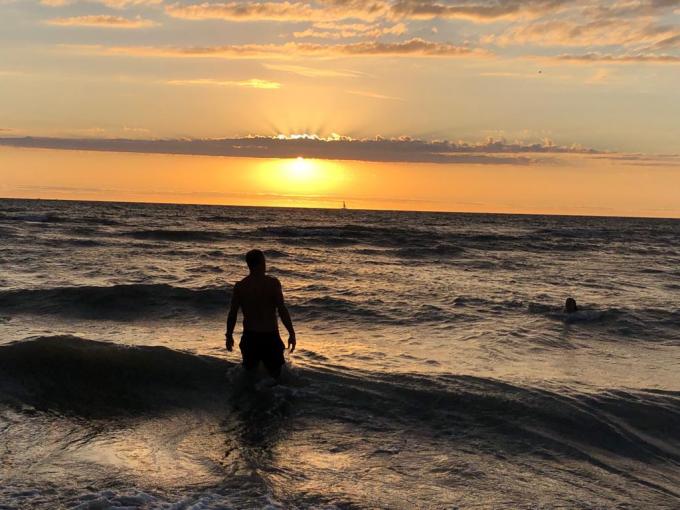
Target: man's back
(259, 296)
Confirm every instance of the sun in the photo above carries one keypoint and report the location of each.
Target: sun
(301, 176)
(301, 169)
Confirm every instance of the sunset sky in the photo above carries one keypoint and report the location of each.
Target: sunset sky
(515, 106)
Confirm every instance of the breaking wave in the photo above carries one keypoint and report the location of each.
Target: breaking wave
(90, 377)
(114, 302)
(71, 374)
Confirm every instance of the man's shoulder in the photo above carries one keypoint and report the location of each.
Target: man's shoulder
(273, 280)
(241, 283)
(246, 282)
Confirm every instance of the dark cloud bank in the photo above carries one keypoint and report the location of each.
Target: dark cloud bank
(406, 150)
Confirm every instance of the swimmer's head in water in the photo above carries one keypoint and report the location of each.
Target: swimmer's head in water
(255, 260)
(570, 305)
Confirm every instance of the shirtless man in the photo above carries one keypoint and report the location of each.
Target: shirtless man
(259, 296)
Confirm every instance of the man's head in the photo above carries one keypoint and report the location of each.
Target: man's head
(255, 261)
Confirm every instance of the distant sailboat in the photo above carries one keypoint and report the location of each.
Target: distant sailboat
(344, 206)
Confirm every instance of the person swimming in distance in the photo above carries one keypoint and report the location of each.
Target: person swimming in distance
(570, 305)
(260, 297)
(573, 313)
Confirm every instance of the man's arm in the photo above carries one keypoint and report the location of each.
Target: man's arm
(285, 316)
(231, 318)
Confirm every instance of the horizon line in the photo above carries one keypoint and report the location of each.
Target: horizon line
(349, 209)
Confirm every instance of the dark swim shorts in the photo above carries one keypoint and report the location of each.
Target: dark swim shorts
(259, 346)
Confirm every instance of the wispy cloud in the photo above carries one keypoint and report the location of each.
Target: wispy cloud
(634, 33)
(336, 10)
(650, 160)
(254, 83)
(599, 77)
(373, 95)
(624, 31)
(55, 3)
(136, 130)
(609, 58)
(106, 21)
(628, 8)
(12, 72)
(329, 10)
(479, 10)
(411, 47)
(509, 74)
(404, 149)
(671, 42)
(334, 30)
(313, 72)
(115, 4)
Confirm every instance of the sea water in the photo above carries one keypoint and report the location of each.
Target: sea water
(435, 367)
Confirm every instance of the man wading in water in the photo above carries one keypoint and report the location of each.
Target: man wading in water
(260, 296)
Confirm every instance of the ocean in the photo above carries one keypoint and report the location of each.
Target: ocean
(435, 366)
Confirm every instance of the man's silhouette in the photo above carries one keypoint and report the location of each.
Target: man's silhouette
(260, 297)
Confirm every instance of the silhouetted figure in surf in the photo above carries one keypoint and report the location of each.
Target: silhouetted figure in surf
(260, 296)
(570, 305)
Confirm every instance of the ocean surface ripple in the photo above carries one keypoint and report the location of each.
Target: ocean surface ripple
(435, 366)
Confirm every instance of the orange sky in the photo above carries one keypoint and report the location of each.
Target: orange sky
(571, 184)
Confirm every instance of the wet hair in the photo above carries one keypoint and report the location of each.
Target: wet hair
(570, 305)
(254, 258)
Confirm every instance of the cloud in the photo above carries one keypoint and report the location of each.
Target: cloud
(670, 42)
(312, 72)
(115, 4)
(242, 11)
(121, 4)
(404, 149)
(368, 10)
(600, 32)
(333, 30)
(372, 95)
(628, 8)
(106, 21)
(509, 74)
(649, 160)
(599, 77)
(254, 83)
(609, 58)
(629, 31)
(136, 130)
(280, 11)
(479, 11)
(626, 30)
(412, 47)
(12, 72)
(415, 46)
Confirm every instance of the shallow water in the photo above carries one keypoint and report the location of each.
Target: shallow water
(434, 369)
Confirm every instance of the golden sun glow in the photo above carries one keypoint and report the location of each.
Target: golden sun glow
(301, 176)
(301, 169)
